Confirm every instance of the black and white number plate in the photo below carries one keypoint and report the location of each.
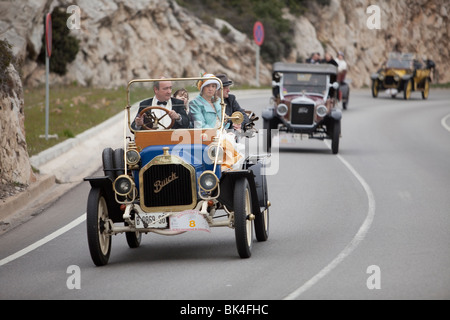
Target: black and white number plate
(149, 219)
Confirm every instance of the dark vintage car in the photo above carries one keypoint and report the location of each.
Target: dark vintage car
(344, 89)
(403, 73)
(171, 181)
(304, 102)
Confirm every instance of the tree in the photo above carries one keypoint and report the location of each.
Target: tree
(64, 46)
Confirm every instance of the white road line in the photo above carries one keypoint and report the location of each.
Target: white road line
(444, 122)
(43, 241)
(358, 238)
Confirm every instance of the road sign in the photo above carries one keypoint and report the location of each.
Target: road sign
(258, 36)
(48, 34)
(258, 33)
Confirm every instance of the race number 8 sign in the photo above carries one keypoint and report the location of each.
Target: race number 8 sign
(190, 220)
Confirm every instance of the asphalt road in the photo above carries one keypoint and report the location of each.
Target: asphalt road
(370, 223)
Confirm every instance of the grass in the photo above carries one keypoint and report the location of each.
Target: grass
(441, 85)
(72, 110)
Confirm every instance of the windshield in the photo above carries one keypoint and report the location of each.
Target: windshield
(399, 61)
(295, 83)
(167, 104)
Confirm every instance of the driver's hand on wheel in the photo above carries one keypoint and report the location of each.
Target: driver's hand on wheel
(139, 120)
(174, 115)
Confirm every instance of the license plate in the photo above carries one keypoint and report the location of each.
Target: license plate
(190, 220)
(149, 219)
(288, 138)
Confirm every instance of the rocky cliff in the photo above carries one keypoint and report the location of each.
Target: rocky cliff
(421, 27)
(121, 40)
(15, 165)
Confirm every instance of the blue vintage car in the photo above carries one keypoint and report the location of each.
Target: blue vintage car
(169, 180)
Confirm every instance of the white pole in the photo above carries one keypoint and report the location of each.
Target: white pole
(257, 65)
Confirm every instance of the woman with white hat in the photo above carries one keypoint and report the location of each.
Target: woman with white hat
(205, 108)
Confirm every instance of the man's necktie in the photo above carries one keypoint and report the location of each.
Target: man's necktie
(164, 103)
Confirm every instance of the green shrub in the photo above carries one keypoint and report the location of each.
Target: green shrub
(6, 58)
(64, 46)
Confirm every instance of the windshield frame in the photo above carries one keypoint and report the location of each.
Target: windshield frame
(134, 81)
(325, 85)
(399, 61)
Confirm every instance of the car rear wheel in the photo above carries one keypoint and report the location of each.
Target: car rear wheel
(262, 225)
(133, 238)
(99, 240)
(243, 225)
(262, 219)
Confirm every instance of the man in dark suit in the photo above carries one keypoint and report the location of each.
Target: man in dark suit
(230, 101)
(162, 98)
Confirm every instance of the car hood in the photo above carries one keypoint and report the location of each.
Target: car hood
(307, 98)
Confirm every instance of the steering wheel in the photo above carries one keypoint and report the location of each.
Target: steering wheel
(151, 120)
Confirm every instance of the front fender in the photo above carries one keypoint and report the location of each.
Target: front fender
(344, 88)
(105, 184)
(227, 188)
(407, 77)
(336, 114)
(268, 114)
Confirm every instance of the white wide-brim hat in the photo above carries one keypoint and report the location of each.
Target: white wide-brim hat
(203, 83)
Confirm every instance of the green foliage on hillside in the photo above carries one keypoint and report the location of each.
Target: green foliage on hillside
(6, 58)
(243, 14)
(64, 46)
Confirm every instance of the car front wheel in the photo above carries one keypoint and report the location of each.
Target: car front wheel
(262, 219)
(375, 88)
(336, 135)
(407, 90)
(268, 132)
(99, 240)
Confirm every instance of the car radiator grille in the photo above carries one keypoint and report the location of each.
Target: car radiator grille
(167, 185)
(389, 80)
(302, 114)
